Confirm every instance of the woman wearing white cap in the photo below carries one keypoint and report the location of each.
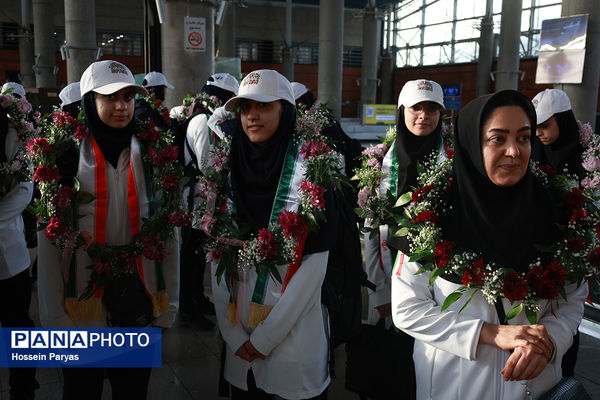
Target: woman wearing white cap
(268, 305)
(557, 134)
(134, 279)
(70, 97)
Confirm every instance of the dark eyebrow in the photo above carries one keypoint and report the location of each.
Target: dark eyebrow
(499, 130)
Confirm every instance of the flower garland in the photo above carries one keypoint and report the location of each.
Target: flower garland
(230, 243)
(373, 206)
(27, 125)
(574, 258)
(157, 105)
(58, 204)
(186, 109)
(590, 159)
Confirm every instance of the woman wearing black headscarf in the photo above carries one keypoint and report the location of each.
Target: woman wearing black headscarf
(109, 165)
(557, 134)
(418, 136)
(276, 336)
(500, 211)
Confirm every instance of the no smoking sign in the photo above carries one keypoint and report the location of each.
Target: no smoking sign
(195, 32)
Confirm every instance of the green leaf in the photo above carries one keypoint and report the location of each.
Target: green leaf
(531, 316)
(514, 312)
(404, 199)
(437, 272)
(452, 298)
(401, 220)
(401, 232)
(468, 301)
(85, 198)
(276, 275)
(419, 256)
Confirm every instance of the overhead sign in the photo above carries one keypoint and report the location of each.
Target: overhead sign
(562, 50)
(195, 34)
(379, 114)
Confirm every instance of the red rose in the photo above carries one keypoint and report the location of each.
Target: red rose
(164, 157)
(80, 132)
(166, 116)
(311, 149)
(425, 216)
(55, 228)
(62, 198)
(576, 245)
(267, 245)
(315, 192)
(577, 215)
(292, 224)
(157, 103)
(170, 183)
(473, 276)
(420, 192)
(39, 146)
(515, 289)
(154, 248)
(549, 171)
(547, 281)
(441, 255)
(574, 198)
(594, 257)
(45, 174)
(179, 219)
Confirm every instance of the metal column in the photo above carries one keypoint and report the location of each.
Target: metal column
(45, 49)
(288, 51)
(80, 35)
(584, 97)
(370, 57)
(486, 51)
(26, 58)
(331, 48)
(507, 76)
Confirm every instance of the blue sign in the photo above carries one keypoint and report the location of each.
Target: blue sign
(452, 103)
(452, 89)
(80, 347)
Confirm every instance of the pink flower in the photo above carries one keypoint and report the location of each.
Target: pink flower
(373, 162)
(591, 164)
(15, 166)
(80, 132)
(585, 132)
(311, 149)
(376, 151)
(5, 100)
(27, 126)
(221, 161)
(214, 255)
(24, 106)
(363, 197)
(314, 192)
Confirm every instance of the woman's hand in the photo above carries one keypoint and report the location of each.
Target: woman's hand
(523, 364)
(248, 352)
(508, 337)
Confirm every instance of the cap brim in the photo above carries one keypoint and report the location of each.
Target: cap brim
(234, 102)
(541, 118)
(169, 86)
(115, 87)
(408, 104)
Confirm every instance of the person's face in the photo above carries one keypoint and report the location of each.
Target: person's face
(548, 131)
(260, 120)
(116, 109)
(506, 145)
(422, 118)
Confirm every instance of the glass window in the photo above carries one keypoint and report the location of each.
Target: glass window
(467, 29)
(525, 20)
(438, 33)
(465, 52)
(470, 8)
(543, 13)
(410, 20)
(439, 11)
(410, 37)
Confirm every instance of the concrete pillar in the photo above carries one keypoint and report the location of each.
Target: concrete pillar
(226, 33)
(184, 69)
(387, 89)
(370, 57)
(45, 49)
(584, 97)
(331, 50)
(486, 51)
(507, 76)
(288, 52)
(80, 35)
(26, 59)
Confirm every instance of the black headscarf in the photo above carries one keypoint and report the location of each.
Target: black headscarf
(308, 99)
(72, 109)
(566, 150)
(503, 223)
(220, 93)
(256, 168)
(110, 140)
(158, 91)
(410, 151)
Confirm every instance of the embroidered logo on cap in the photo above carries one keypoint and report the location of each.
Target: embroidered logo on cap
(535, 102)
(425, 85)
(251, 79)
(117, 68)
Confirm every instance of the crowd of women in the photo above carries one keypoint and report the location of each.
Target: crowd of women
(479, 238)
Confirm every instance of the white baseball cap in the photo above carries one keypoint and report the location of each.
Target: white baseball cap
(156, 79)
(107, 77)
(70, 94)
(16, 87)
(550, 102)
(299, 89)
(419, 90)
(264, 85)
(224, 81)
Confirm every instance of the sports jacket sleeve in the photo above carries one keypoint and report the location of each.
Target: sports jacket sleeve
(300, 295)
(376, 268)
(415, 311)
(198, 138)
(14, 202)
